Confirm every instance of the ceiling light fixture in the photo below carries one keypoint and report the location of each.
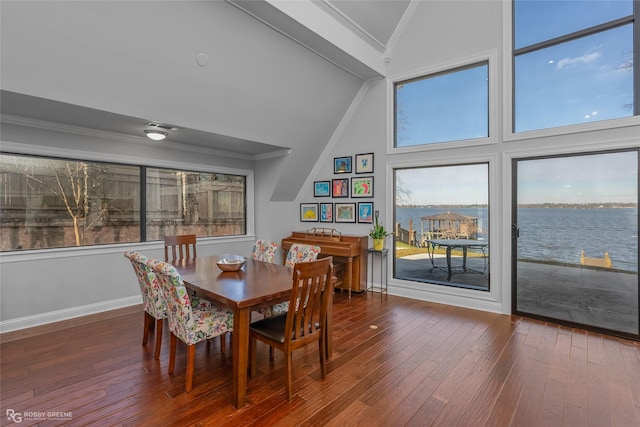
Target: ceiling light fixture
(156, 135)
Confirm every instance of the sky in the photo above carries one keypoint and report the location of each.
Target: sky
(578, 81)
(598, 178)
(593, 178)
(464, 184)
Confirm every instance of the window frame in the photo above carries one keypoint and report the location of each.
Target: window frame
(20, 149)
(436, 164)
(509, 55)
(450, 294)
(488, 57)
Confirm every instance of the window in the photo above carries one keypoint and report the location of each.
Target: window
(54, 203)
(184, 202)
(573, 62)
(442, 219)
(448, 106)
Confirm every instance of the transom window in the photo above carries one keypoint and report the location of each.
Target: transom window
(442, 107)
(573, 62)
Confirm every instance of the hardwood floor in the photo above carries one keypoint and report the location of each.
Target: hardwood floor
(396, 362)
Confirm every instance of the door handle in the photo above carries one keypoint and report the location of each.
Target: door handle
(515, 231)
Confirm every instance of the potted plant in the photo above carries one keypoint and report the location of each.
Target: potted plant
(378, 233)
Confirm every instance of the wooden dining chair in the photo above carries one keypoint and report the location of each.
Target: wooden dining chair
(305, 321)
(191, 325)
(181, 247)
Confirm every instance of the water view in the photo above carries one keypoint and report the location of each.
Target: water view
(558, 234)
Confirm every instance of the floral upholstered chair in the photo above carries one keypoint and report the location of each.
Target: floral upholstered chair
(301, 253)
(153, 303)
(191, 325)
(297, 253)
(265, 250)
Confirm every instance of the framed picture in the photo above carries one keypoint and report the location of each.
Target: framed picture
(322, 189)
(309, 212)
(345, 212)
(340, 187)
(364, 163)
(362, 186)
(326, 212)
(342, 164)
(365, 212)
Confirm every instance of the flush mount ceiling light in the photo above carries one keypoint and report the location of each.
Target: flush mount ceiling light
(156, 135)
(158, 131)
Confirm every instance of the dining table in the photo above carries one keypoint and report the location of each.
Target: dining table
(257, 284)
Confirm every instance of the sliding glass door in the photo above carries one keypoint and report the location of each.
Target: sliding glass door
(575, 240)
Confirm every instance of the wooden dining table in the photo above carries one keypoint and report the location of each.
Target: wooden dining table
(258, 284)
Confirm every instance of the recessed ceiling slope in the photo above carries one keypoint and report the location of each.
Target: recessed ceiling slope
(315, 25)
(374, 20)
(30, 108)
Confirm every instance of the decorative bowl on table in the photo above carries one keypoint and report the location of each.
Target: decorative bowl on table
(231, 262)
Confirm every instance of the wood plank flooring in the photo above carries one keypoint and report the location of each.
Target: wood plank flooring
(396, 362)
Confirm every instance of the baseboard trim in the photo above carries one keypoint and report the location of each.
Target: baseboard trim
(66, 314)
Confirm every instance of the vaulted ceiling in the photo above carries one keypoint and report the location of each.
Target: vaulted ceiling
(114, 66)
(371, 21)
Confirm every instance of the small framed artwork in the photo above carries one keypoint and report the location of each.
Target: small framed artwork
(342, 164)
(345, 212)
(322, 189)
(340, 187)
(362, 186)
(326, 212)
(365, 212)
(364, 163)
(309, 212)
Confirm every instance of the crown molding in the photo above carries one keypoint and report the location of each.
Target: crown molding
(336, 14)
(357, 67)
(413, 5)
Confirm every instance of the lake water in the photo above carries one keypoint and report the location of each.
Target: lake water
(559, 234)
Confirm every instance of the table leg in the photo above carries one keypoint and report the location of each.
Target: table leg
(241, 320)
(328, 330)
(464, 258)
(349, 273)
(430, 251)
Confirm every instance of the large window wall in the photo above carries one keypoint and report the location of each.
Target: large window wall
(544, 113)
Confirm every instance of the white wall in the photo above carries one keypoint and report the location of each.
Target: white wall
(440, 35)
(138, 59)
(43, 286)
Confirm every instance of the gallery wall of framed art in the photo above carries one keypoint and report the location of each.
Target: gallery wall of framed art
(344, 188)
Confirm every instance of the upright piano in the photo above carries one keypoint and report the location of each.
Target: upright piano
(349, 254)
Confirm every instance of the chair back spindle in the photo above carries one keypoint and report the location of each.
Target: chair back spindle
(306, 320)
(180, 247)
